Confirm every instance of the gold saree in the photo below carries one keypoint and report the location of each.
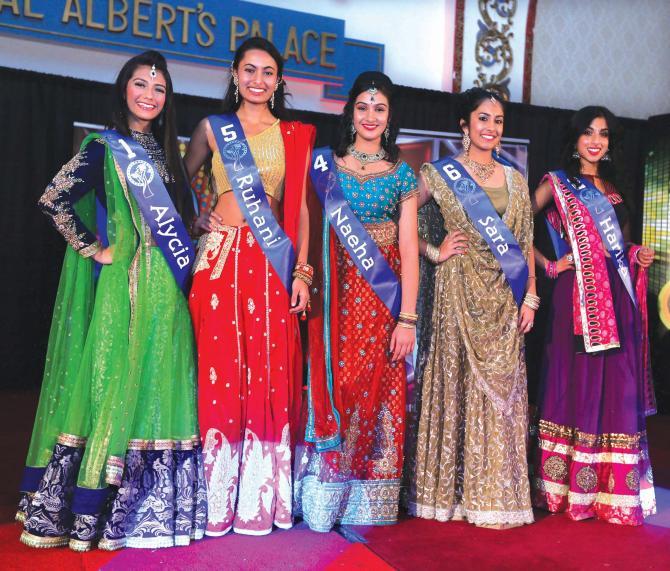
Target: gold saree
(470, 461)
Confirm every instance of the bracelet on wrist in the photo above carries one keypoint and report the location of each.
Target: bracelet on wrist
(532, 301)
(433, 254)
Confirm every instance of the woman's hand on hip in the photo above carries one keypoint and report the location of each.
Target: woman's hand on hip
(104, 256)
(454, 243)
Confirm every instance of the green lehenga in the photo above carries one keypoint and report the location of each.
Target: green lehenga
(115, 453)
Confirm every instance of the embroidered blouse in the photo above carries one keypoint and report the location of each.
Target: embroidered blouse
(375, 197)
(81, 174)
(267, 148)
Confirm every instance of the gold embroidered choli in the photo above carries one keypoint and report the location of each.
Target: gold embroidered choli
(267, 148)
(470, 456)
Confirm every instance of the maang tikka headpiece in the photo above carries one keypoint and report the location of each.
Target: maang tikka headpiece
(372, 90)
(152, 73)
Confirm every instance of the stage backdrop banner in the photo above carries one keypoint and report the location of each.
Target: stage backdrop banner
(203, 31)
(494, 46)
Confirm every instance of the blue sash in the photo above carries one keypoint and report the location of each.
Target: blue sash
(250, 195)
(155, 203)
(351, 233)
(607, 223)
(484, 217)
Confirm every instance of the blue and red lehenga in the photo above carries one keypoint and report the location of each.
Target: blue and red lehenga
(349, 470)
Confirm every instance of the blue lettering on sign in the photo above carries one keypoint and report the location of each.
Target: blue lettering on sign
(203, 31)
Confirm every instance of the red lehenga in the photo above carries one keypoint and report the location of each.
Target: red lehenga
(249, 363)
(348, 471)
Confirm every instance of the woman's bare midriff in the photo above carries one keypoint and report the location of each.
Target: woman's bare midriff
(231, 215)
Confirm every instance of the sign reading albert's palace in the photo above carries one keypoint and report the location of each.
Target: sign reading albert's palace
(206, 31)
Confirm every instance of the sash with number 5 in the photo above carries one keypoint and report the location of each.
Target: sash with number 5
(250, 195)
(143, 180)
(351, 233)
(487, 221)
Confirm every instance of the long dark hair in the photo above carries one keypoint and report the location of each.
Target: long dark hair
(472, 98)
(164, 128)
(365, 81)
(256, 43)
(581, 121)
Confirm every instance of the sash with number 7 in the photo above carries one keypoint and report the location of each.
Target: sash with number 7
(250, 195)
(487, 221)
(143, 180)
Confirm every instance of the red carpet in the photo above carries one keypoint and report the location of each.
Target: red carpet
(553, 542)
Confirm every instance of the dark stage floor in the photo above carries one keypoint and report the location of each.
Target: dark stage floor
(553, 542)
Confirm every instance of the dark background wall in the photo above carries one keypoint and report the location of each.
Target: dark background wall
(37, 113)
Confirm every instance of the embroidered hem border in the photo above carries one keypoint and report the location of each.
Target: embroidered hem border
(355, 502)
(476, 517)
(606, 476)
(606, 440)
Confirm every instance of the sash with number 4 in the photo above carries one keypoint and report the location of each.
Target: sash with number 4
(250, 195)
(487, 221)
(143, 180)
(351, 233)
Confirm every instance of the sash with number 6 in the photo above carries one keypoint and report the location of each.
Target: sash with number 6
(250, 195)
(351, 233)
(143, 180)
(606, 222)
(487, 221)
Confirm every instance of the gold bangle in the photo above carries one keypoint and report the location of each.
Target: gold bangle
(406, 325)
(433, 254)
(413, 316)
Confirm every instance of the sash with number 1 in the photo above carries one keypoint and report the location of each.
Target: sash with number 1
(487, 221)
(248, 189)
(148, 189)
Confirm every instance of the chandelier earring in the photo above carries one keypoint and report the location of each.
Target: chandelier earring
(352, 131)
(466, 143)
(498, 149)
(237, 87)
(606, 157)
(575, 154)
(387, 133)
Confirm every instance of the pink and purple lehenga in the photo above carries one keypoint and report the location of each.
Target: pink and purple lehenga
(592, 459)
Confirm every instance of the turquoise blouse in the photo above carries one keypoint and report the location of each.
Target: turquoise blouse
(375, 197)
